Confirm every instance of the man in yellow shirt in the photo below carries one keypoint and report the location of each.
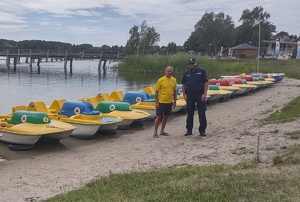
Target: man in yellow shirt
(165, 100)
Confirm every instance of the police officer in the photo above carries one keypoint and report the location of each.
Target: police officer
(194, 90)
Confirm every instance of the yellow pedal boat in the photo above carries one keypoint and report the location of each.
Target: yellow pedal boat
(123, 110)
(27, 127)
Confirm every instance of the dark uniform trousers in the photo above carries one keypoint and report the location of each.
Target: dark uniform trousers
(193, 98)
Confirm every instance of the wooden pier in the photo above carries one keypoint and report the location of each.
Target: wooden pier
(32, 55)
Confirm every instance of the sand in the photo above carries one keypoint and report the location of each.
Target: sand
(233, 128)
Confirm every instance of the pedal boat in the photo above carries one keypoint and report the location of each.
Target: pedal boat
(224, 85)
(254, 81)
(218, 94)
(276, 76)
(27, 127)
(267, 77)
(242, 84)
(123, 110)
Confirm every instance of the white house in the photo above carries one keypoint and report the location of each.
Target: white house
(285, 50)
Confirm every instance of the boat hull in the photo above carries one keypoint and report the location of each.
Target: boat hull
(110, 123)
(18, 138)
(85, 130)
(58, 136)
(243, 89)
(125, 124)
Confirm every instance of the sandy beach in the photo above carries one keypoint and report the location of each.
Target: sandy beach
(233, 127)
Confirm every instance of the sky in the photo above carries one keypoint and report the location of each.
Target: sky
(107, 22)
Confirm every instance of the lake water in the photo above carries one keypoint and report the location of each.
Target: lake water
(22, 87)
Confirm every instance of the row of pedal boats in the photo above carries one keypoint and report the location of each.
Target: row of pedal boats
(106, 113)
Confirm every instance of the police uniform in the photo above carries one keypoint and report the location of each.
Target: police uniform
(194, 80)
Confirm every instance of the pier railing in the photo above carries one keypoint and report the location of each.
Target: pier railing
(39, 55)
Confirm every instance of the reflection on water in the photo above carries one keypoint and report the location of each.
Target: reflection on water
(22, 87)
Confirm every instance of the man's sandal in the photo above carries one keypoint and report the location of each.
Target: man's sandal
(155, 136)
(164, 134)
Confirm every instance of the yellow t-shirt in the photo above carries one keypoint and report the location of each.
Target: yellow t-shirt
(166, 87)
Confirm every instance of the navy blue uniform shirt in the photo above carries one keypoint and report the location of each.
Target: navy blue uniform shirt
(194, 80)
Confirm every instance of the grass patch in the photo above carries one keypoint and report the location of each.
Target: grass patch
(293, 135)
(288, 113)
(289, 157)
(250, 164)
(215, 68)
(269, 148)
(241, 151)
(244, 182)
(274, 131)
(247, 133)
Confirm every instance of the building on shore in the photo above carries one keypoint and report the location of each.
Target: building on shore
(244, 51)
(286, 47)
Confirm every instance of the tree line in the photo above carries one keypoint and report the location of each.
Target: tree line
(55, 46)
(211, 32)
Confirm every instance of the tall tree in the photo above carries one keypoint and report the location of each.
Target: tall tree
(142, 39)
(248, 32)
(133, 42)
(211, 32)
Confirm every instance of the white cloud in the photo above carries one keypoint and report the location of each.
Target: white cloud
(11, 28)
(82, 21)
(7, 17)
